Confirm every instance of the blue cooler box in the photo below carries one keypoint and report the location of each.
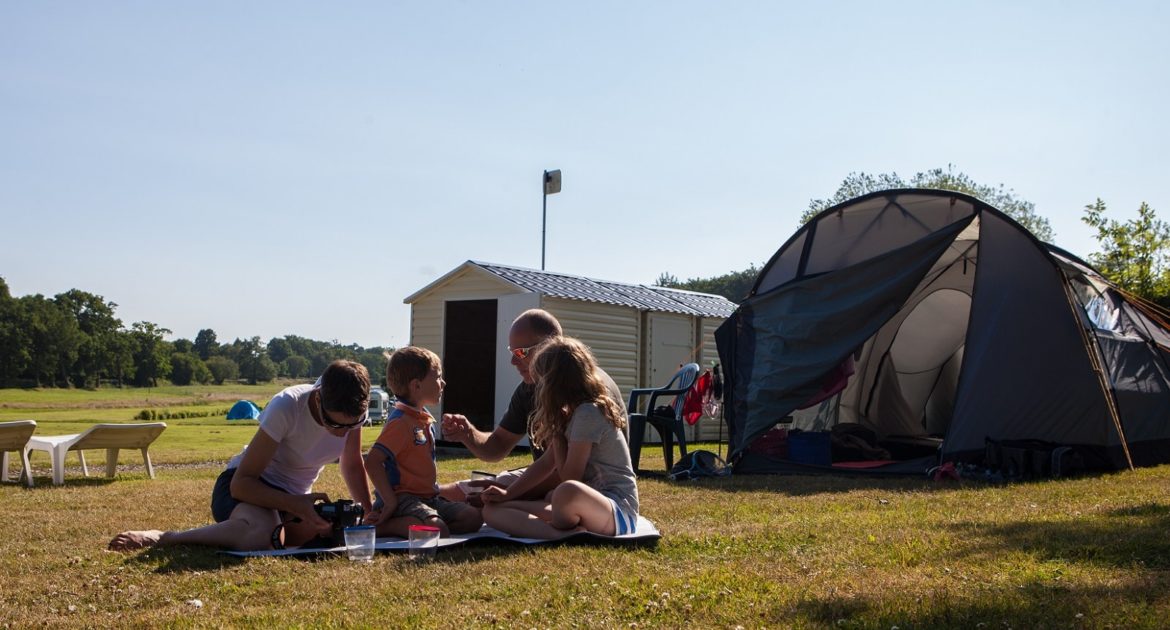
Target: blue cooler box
(810, 447)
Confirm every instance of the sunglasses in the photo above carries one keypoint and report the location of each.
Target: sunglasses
(325, 420)
(522, 353)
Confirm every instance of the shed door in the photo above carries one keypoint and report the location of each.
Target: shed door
(670, 340)
(469, 360)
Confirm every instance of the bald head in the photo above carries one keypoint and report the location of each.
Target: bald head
(539, 322)
(528, 331)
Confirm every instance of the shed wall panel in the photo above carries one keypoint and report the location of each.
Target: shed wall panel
(612, 332)
(427, 314)
(426, 324)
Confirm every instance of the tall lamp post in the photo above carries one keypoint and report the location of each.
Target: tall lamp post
(552, 186)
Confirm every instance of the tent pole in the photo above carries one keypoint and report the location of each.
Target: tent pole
(1102, 379)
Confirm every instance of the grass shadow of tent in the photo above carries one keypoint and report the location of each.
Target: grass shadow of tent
(1120, 538)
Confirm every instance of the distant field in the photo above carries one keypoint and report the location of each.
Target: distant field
(128, 397)
(186, 440)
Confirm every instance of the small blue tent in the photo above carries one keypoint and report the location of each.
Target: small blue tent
(243, 410)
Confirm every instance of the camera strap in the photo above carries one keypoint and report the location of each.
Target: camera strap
(275, 538)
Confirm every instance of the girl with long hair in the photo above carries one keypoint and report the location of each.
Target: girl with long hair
(583, 429)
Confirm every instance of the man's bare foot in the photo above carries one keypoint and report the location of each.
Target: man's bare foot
(129, 541)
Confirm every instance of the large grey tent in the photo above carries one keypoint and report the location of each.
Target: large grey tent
(953, 325)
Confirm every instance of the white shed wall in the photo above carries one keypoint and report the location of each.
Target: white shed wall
(427, 324)
(619, 336)
(612, 332)
(508, 307)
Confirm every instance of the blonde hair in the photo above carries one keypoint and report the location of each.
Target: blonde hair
(406, 365)
(567, 376)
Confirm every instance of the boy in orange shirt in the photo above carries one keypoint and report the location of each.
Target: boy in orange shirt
(401, 463)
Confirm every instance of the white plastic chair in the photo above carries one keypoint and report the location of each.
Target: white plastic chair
(14, 436)
(111, 437)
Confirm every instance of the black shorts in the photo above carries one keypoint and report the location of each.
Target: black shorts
(222, 501)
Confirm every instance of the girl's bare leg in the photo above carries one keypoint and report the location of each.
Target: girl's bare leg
(575, 504)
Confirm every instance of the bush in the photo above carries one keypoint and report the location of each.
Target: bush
(223, 369)
(187, 367)
(258, 369)
(295, 366)
(164, 414)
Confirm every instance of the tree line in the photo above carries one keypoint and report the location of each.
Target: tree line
(1134, 254)
(75, 339)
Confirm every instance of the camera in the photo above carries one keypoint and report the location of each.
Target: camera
(341, 513)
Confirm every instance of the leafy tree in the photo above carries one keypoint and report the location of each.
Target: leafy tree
(255, 365)
(187, 368)
(279, 349)
(295, 366)
(14, 342)
(121, 355)
(303, 347)
(1005, 199)
(1135, 254)
(259, 370)
(54, 339)
(205, 344)
(667, 279)
(319, 361)
(152, 355)
(375, 361)
(733, 285)
(183, 346)
(222, 369)
(95, 318)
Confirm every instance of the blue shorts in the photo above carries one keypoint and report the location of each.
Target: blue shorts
(222, 501)
(623, 522)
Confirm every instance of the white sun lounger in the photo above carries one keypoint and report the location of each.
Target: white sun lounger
(14, 437)
(111, 437)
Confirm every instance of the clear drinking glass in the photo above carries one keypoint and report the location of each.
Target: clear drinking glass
(424, 541)
(359, 542)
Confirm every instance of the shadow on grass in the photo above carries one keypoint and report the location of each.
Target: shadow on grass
(184, 559)
(1032, 605)
(808, 485)
(46, 481)
(1123, 538)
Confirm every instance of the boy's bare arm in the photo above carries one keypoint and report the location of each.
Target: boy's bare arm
(375, 467)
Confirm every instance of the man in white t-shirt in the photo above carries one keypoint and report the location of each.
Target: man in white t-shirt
(270, 482)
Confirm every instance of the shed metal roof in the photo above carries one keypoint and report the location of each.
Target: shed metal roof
(639, 296)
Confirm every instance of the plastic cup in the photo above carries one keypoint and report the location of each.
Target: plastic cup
(359, 543)
(424, 541)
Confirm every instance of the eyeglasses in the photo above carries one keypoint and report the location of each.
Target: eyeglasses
(335, 425)
(522, 353)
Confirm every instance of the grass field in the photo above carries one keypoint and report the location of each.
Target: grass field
(745, 552)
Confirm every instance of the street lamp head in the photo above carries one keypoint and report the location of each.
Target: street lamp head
(552, 182)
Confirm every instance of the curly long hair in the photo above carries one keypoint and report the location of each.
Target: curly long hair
(567, 376)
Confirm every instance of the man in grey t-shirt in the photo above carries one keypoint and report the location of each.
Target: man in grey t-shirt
(528, 331)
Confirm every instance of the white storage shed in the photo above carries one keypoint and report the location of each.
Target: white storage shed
(640, 334)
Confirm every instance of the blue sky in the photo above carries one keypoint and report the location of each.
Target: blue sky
(271, 168)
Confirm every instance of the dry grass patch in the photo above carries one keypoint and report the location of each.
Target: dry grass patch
(764, 551)
(750, 551)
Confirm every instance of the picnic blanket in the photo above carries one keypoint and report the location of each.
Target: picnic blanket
(645, 533)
